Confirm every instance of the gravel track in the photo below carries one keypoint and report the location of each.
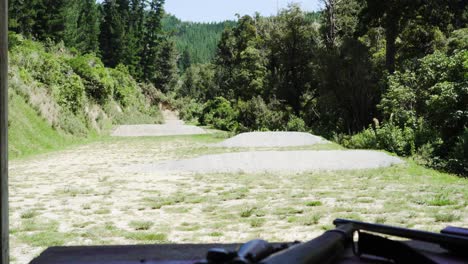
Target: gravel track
(173, 126)
(275, 161)
(272, 139)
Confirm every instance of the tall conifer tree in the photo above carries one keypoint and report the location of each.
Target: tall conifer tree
(152, 40)
(111, 37)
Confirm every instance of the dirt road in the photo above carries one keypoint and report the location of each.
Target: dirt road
(84, 196)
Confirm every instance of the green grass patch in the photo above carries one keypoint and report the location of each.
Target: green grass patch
(146, 237)
(313, 203)
(141, 225)
(446, 217)
(46, 238)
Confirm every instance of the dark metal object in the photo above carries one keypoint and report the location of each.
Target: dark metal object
(324, 249)
(436, 238)
(249, 253)
(396, 251)
(253, 251)
(4, 244)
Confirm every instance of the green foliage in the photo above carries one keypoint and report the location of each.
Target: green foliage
(112, 32)
(53, 95)
(71, 94)
(198, 82)
(195, 41)
(431, 100)
(72, 124)
(96, 78)
(220, 114)
(125, 87)
(255, 114)
(296, 124)
(389, 137)
(189, 109)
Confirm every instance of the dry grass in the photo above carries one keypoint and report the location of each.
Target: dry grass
(82, 196)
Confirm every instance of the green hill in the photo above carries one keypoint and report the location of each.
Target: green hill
(198, 39)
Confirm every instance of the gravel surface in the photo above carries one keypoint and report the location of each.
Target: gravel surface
(275, 161)
(156, 130)
(272, 139)
(173, 126)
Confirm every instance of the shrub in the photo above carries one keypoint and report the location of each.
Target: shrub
(395, 139)
(220, 114)
(71, 94)
(72, 124)
(96, 78)
(189, 109)
(367, 139)
(389, 137)
(125, 87)
(458, 156)
(255, 114)
(296, 124)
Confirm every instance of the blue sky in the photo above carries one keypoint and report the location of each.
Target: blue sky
(218, 10)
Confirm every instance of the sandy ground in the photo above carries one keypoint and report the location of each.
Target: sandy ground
(172, 126)
(275, 161)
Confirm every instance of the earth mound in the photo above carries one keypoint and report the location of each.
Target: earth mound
(276, 161)
(272, 139)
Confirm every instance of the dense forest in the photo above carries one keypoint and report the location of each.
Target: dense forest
(387, 75)
(195, 42)
(390, 76)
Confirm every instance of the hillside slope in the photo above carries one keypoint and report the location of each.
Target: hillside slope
(198, 40)
(58, 97)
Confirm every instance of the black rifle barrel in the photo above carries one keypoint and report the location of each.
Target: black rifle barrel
(324, 249)
(441, 239)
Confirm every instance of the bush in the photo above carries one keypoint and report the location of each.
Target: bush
(220, 114)
(458, 156)
(255, 114)
(367, 139)
(296, 124)
(71, 94)
(389, 137)
(395, 139)
(72, 124)
(189, 109)
(96, 78)
(125, 87)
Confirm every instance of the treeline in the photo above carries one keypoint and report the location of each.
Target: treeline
(127, 32)
(196, 42)
(390, 75)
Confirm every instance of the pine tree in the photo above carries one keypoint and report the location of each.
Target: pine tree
(166, 66)
(185, 60)
(87, 37)
(111, 37)
(134, 37)
(22, 16)
(152, 40)
(50, 21)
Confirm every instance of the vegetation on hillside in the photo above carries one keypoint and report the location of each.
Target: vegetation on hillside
(127, 32)
(196, 42)
(57, 97)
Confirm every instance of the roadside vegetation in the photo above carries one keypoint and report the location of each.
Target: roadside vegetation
(346, 78)
(58, 98)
